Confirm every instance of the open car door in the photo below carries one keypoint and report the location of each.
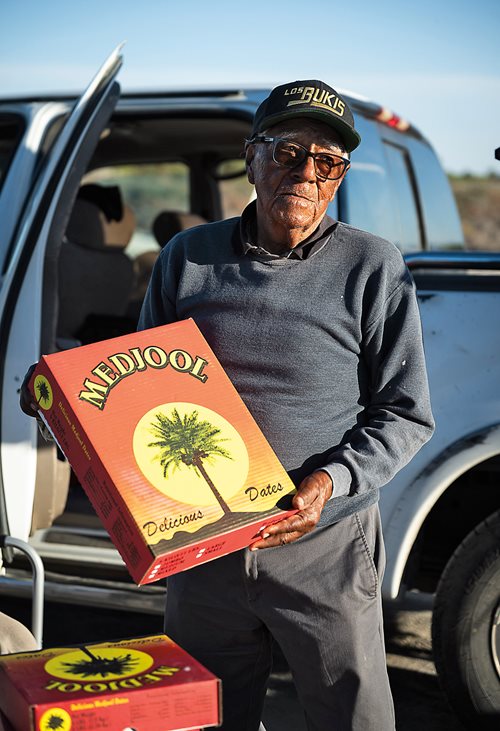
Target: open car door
(30, 468)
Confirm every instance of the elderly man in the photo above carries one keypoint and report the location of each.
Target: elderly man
(317, 325)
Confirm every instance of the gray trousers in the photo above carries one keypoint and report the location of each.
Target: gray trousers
(320, 599)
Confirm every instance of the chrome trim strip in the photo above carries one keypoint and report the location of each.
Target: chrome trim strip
(107, 595)
(453, 260)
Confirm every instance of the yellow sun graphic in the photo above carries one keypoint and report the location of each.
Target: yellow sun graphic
(182, 464)
(96, 663)
(43, 392)
(55, 719)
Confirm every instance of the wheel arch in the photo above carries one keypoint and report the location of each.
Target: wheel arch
(419, 499)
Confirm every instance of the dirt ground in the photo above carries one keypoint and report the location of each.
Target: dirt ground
(419, 702)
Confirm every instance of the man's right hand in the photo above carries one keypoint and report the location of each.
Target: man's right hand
(26, 400)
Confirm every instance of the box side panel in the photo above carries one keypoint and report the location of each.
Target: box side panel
(12, 702)
(116, 712)
(151, 708)
(181, 707)
(93, 476)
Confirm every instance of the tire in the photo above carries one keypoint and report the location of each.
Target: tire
(466, 627)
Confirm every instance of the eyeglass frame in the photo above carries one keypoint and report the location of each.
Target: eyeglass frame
(274, 140)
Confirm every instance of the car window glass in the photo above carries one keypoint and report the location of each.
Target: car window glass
(407, 234)
(365, 196)
(149, 190)
(378, 194)
(11, 129)
(441, 220)
(235, 190)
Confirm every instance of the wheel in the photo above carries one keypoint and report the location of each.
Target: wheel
(466, 627)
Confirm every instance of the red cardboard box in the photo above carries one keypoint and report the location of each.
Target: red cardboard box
(170, 457)
(144, 684)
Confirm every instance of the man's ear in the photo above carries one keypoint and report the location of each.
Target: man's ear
(249, 156)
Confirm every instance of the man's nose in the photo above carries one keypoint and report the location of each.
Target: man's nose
(306, 170)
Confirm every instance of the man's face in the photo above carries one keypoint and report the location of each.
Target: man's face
(295, 198)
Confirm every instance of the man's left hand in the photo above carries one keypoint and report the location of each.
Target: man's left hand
(312, 494)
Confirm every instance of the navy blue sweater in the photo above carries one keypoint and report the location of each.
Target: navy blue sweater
(325, 351)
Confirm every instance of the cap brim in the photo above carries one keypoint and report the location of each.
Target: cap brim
(349, 136)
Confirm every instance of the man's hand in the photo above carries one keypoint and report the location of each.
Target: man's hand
(26, 400)
(312, 494)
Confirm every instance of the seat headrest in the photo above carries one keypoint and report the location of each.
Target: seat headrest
(99, 219)
(118, 233)
(169, 223)
(106, 197)
(85, 225)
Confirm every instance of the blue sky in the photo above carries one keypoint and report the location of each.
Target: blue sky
(436, 63)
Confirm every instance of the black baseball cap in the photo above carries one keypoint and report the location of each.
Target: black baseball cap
(313, 99)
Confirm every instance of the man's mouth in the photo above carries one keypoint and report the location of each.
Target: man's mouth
(293, 194)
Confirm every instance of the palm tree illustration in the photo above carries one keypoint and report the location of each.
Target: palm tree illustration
(43, 392)
(103, 666)
(188, 441)
(54, 722)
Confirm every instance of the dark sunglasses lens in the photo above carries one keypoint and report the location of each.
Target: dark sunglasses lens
(288, 154)
(328, 166)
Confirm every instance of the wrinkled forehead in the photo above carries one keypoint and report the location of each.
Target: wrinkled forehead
(308, 132)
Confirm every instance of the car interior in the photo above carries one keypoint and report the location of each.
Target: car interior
(171, 173)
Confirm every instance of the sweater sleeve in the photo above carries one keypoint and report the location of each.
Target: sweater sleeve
(398, 418)
(159, 306)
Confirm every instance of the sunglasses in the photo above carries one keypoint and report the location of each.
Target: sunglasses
(290, 155)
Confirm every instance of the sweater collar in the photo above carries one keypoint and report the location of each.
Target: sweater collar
(248, 243)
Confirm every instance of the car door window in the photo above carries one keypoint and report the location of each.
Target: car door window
(378, 194)
(11, 130)
(365, 195)
(441, 220)
(407, 235)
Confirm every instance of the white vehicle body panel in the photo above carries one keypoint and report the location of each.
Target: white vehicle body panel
(464, 376)
(18, 448)
(38, 120)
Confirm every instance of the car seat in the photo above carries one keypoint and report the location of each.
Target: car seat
(96, 277)
(165, 226)
(169, 223)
